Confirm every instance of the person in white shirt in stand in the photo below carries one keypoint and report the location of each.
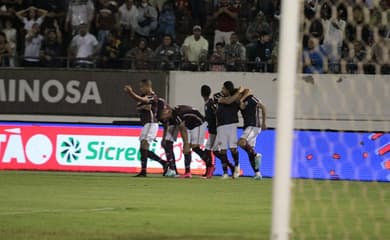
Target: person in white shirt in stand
(10, 32)
(33, 43)
(84, 47)
(34, 15)
(79, 11)
(195, 49)
(128, 14)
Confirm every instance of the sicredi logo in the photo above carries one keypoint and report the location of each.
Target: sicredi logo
(70, 149)
(89, 150)
(37, 148)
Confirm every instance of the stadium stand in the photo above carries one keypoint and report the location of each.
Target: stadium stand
(340, 36)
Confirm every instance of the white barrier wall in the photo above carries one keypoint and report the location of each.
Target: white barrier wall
(339, 102)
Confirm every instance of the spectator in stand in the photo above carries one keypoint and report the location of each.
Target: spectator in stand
(167, 20)
(146, 19)
(355, 58)
(198, 12)
(110, 51)
(235, 55)
(333, 39)
(257, 25)
(169, 53)
(310, 8)
(106, 20)
(269, 8)
(5, 50)
(127, 15)
(79, 11)
(141, 55)
(55, 11)
(226, 17)
(32, 47)
(158, 4)
(52, 47)
(260, 54)
(313, 60)
(10, 32)
(8, 8)
(31, 16)
(195, 49)
(381, 52)
(217, 59)
(183, 19)
(4, 13)
(83, 47)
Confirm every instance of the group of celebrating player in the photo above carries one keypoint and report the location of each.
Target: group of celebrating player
(221, 119)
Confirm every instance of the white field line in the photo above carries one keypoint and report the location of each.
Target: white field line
(56, 211)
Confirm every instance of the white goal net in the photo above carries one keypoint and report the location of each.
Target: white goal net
(340, 163)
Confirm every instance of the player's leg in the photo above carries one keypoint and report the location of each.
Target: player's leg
(222, 146)
(144, 158)
(197, 139)
(248, 142)
(187, 159)
(167, 144)
(148, 134)
(209, 156)
(232, 141)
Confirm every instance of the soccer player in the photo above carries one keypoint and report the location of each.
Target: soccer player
(211, 119)
(192, 127)
(250, 109)
(147, 105)
(169, 137)
(227, 121)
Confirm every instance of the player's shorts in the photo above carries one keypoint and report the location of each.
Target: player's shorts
(149, 132)
(172, 132)
(250, 134)
(210, 142)
(226, 137)
(196, 135)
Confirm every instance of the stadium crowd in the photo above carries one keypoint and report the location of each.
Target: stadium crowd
(349, 36)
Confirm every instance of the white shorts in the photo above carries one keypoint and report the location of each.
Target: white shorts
(226, 137)
(210, 142)
(149, 132)
(172, 132)
(250, 134)
(196, 136)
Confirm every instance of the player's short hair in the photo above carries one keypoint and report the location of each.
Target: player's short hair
(147, 82)
(229, 86)
(205, 91)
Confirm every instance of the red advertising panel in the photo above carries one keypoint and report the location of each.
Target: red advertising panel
(79, 148)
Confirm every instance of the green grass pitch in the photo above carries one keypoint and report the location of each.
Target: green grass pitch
(56, 205)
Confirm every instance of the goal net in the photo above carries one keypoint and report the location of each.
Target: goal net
(340, 162)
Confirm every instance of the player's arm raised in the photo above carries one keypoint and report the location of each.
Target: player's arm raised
(135, 96)
(244, 95)
(263, 115)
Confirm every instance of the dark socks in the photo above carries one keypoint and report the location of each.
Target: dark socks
(249, 150)
(187, 162)
(154, 157)
(144, 160)
(224, 160)
(170, 155)
(251, 155)
(235, 158)
(201, 153)
(209, 158)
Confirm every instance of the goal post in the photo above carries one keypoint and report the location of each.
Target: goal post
(287, 74)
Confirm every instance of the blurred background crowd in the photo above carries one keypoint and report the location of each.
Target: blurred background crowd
(338, 36)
